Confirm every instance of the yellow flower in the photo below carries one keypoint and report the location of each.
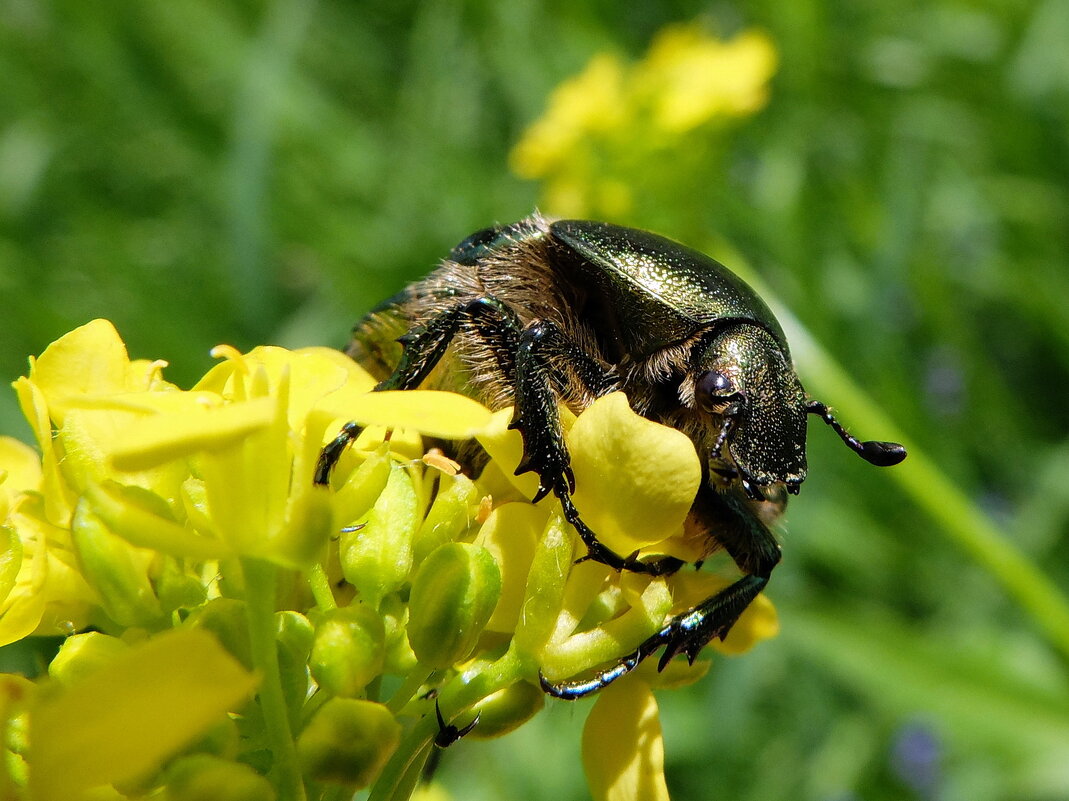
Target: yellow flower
(185, 527)
(618, 134)
(592, 101)
(41, 590)
(691, 78)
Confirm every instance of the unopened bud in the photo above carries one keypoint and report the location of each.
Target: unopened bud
(453, 596)
(348, 742)
(207, 778)
(348, 649)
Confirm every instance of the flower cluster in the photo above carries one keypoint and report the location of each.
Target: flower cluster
(232, 630)
(611, 130)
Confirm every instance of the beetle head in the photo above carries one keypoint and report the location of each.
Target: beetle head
(745, 378)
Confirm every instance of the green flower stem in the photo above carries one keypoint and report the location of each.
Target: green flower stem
(337, 793)
(929, 487)
(413, 773)
(394, 783)
(320, 586)
(416, 679)
(7, 707)
(260, 586)
(410, 755)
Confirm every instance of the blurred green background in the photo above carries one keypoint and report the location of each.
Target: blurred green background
(264, 172)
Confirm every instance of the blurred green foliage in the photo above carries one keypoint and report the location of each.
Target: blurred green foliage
(264, 172)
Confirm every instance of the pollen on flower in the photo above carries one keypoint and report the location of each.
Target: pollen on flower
(486, 506)
(439, 461)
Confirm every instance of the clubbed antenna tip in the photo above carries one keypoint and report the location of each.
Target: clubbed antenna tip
(881, 454)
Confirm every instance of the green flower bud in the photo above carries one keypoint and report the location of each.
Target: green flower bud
(348, 650)
(400, 661)
(294, 639)
(176, 588)
(450, 514)
(361, 489)
(115, 569)
(309, 527)
(377, 558)
(453, 596)
(506, 710)
(226, 618)
(544, 598)
(207, 778)
(348, 742)
(82, 654)
(223, 740)
(295, 634)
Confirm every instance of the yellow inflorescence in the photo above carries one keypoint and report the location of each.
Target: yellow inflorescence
(143, 518)
(606, 133)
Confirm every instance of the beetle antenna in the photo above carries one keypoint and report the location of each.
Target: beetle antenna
(881, 454)
(725, 429)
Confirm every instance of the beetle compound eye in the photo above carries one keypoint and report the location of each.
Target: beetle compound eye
(713, 389)
(715, 383)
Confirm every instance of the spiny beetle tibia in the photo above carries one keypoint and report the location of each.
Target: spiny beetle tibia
(538, 312)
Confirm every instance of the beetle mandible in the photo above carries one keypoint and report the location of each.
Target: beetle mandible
(540, 312)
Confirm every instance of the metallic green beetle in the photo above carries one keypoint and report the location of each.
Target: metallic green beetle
(540, 312)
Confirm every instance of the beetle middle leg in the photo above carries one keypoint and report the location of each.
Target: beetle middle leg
(755, 551)
(423, 348)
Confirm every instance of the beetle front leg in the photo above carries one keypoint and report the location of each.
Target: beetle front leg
(754, 549)
(544, 451)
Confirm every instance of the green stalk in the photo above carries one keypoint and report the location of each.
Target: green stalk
(260, 586)
(416, 679)
(320, 586)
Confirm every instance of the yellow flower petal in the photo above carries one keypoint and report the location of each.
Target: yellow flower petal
(125, 719)
(623, 748)
(505, 447)
(163, 438)
(90, 360)
(437, 414)
(314, 374)
(635, 479)
(511, 534)
(24, 602)
(20, 470)
(59, 501)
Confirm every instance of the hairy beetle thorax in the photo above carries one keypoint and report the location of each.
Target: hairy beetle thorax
(517, 269)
